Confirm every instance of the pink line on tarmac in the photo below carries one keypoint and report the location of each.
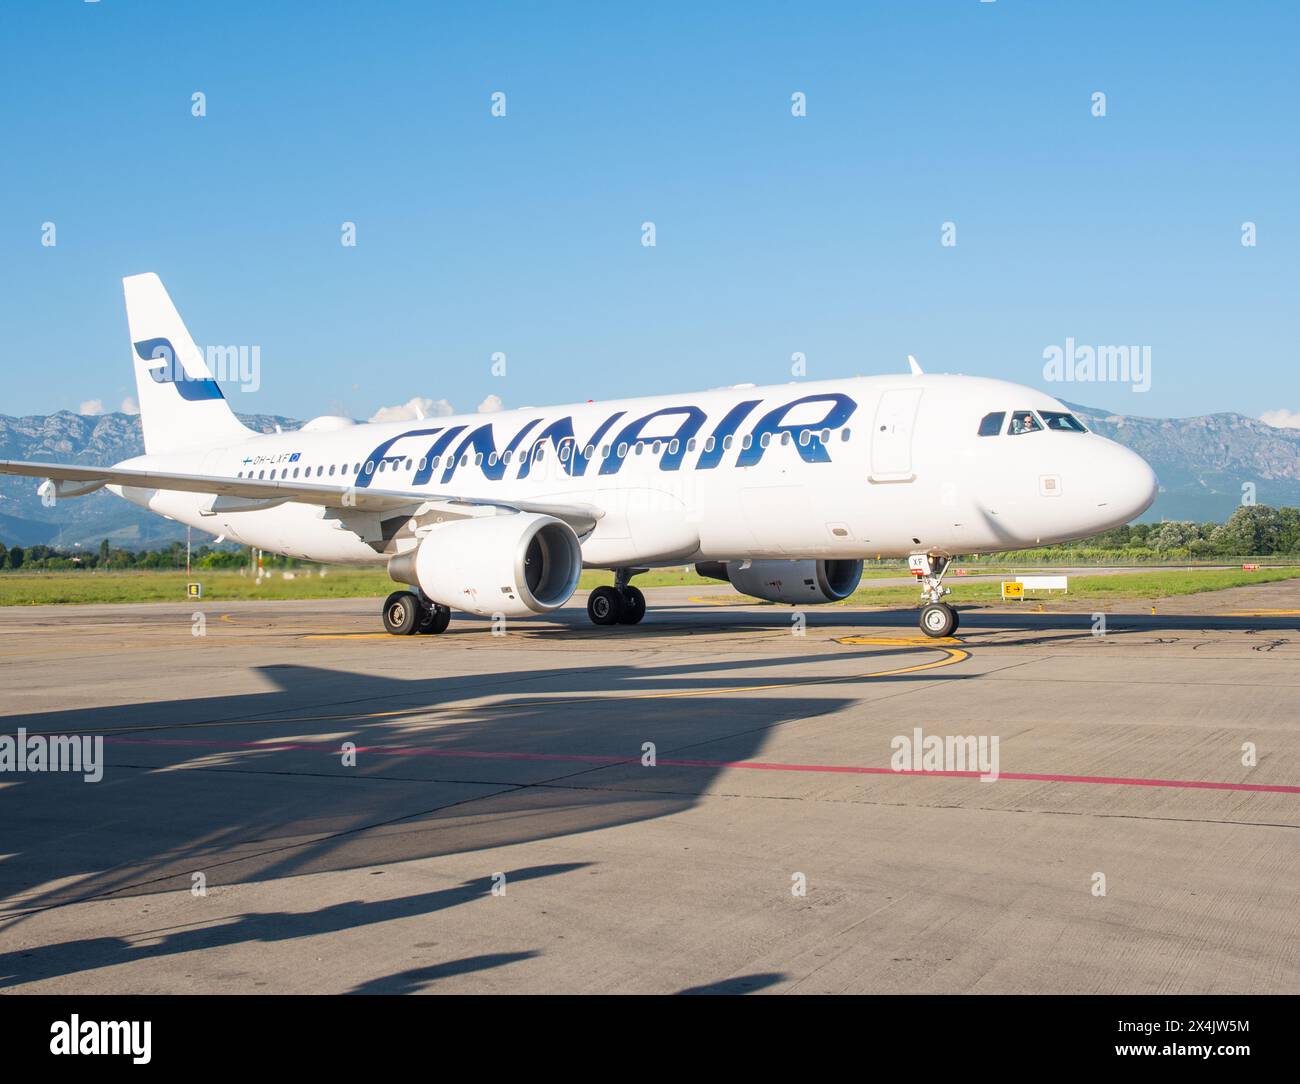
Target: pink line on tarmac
(749, 765)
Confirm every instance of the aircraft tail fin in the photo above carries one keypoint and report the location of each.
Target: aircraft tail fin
(181, 406)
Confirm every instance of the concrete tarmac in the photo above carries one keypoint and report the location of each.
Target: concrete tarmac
(499, 826)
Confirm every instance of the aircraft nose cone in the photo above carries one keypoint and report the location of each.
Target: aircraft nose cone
(1132, 485)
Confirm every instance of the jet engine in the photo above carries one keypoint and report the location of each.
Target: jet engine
(807, 583)
(517, 563)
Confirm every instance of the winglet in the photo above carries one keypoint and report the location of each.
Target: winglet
(915, 366)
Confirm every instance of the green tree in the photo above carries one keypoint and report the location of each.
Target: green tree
(1253, 529)
(1288, 530)
(1174, 536)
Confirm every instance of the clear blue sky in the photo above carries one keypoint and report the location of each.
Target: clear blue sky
(775, 234)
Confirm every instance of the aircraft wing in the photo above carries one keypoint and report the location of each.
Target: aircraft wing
(251, 494)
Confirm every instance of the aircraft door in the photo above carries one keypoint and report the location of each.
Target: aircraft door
(891, 435)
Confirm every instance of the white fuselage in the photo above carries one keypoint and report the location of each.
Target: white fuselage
(855, 468)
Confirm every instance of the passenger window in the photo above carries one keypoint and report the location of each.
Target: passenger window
(991, 424)
(1066, 423)
(1023, 421)
(845, 434)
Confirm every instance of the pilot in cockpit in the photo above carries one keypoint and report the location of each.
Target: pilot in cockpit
(1023, 421)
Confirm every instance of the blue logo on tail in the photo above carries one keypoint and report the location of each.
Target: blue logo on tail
(169, 370)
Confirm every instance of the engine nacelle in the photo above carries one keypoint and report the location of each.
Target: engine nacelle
(515, 564)
(806, 583)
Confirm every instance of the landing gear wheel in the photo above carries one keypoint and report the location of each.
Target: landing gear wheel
(434, 619)
(605, 606)
(938, 619)
(633, 606)
(401, 613)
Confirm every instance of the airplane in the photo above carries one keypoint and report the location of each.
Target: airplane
(783, 491)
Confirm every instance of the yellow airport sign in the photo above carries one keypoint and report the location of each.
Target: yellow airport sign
(1013, 589)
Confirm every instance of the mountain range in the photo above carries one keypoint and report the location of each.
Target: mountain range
(1202, 464)
(100, 440)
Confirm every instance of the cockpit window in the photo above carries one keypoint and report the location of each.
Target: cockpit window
(991, 424)
(1023, 421)
(1068, 423)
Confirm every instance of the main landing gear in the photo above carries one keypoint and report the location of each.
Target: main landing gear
(621, 604)
(938, 619)
(407, 613)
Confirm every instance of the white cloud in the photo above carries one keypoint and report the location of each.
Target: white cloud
(413, 408)
(1283, 419)
(91, 406)
(129, 406)
(490, 405)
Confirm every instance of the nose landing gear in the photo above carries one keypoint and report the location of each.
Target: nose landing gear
(937, 618)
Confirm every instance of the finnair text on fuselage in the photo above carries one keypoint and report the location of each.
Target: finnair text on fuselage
(671, 432)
